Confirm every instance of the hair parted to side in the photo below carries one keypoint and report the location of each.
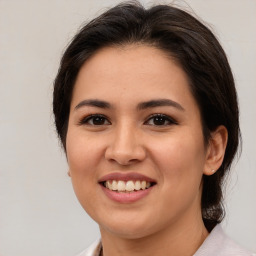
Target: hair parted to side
(189, 43)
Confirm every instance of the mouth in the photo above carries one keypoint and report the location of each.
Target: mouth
(126, 187)
(129, 186)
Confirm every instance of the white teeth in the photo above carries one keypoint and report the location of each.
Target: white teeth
(120, 186)
(143, 184)
(137, 185)
(108, 184)
(114, 185)
(129, 186)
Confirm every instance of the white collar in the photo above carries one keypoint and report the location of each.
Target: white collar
(216, 244)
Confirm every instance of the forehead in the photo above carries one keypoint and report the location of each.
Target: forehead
(136, 59)
(131, 72)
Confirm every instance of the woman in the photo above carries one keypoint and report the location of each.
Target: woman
(146, 110)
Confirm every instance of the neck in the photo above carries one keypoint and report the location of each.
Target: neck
(177, 239)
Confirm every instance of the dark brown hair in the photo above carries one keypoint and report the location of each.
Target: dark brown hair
(188, 42)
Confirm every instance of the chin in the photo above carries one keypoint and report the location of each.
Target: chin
(128, 228)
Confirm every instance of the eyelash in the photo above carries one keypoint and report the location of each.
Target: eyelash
(171, 121)
(85, 121)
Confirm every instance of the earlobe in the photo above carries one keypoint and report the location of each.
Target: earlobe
(216, 150)
(69, 174)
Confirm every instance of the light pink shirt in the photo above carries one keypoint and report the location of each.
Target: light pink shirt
(216, 244)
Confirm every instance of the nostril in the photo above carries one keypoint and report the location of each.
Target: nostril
(125, 151)
(123, 160)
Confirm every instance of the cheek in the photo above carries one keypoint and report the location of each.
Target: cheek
(180, 165)
(180, 160)
(82, 158)
(83, 153)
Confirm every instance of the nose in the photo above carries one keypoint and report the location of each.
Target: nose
(125, 147)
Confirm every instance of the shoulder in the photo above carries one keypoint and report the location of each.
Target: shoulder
(218, 243)
(93, 250)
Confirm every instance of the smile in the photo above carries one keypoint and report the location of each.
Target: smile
(127, 186)
(124, 187)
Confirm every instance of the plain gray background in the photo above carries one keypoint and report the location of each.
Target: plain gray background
(39, 213)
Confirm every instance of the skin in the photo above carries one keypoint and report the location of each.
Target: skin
(130, 140)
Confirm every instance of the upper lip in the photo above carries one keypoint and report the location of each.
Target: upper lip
(126, 176)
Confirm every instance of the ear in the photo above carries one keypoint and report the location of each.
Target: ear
(216, 150)
(69, 174)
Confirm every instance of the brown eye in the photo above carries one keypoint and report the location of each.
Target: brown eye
(160, 120)
(95, 120)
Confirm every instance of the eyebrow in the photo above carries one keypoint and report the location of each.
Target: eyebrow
(93, 103)
(159, 103)
(141, 106)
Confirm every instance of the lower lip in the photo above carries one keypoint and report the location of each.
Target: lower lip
(126, 197)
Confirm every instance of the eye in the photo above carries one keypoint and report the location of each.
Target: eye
(95, 119)
(160, 120)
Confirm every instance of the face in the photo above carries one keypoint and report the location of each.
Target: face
(134, 124)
